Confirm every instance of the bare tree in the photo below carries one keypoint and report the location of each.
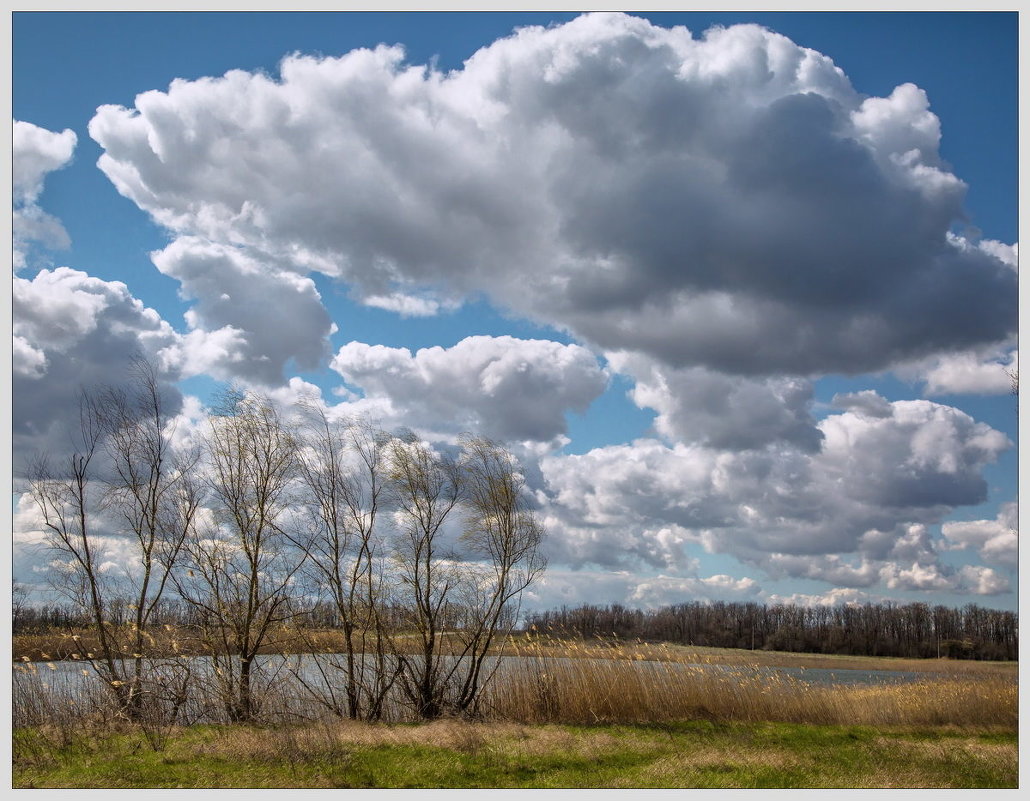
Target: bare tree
(19, 606)
(241, 567)
(154, 492)
(343, 466)
(504, 534)
(65, 497)
(427, 488)
(149, 489)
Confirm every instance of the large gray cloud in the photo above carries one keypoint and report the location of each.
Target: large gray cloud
(728, 201)
(721, 411)
(73, 331)
(871, 490)
(507, 388)
(265, 316)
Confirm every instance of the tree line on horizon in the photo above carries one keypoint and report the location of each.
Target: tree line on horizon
(871, 629)
(913, 630)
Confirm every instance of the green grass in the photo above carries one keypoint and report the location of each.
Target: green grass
(455, 754)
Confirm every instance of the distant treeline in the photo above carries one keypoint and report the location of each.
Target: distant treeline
(886, 629)
(47, 618)
(909, 630)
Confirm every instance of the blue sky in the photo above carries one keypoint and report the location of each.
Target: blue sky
(743, 309)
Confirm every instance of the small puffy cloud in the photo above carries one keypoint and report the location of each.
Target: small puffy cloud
(202, 352)
(725, 201)
(667, 590)
(507, 388)
(608, 487)
(904, 135)
(913, 545)
(407, 305)
(35, 153)
(254, 317)
(721, 411)
(970, 372)
(559, 587)
(27, 360)
(868, 403)
(831, 568)
(996, 541)
(633, 544)
(918, 577)
(838, 596)
(1006, 254)
(973, 579)
(925, 455)
(983, 581)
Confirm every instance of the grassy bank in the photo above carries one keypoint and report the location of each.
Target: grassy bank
(460, 754)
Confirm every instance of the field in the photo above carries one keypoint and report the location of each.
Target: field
(688, 754)
(570, 714)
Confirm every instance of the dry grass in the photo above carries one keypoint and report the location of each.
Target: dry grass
(626, 687)
(456, 753)
(641, 683)
(452, 734)
(492, 753)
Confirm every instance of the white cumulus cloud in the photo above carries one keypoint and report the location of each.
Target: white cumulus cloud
(74, 331)
(721, 411)
(726, 201)
(506, 388)
(996, 541)
(35, 153)
(254, 317)
(871, 491)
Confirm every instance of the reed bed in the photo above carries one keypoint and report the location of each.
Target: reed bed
(584, 684)
(627, 687)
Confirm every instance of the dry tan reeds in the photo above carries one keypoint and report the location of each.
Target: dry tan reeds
(626, 687)
(575, 682)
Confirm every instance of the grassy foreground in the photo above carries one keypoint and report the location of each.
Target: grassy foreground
(696, 754)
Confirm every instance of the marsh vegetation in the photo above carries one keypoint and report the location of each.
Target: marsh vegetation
(560, 714)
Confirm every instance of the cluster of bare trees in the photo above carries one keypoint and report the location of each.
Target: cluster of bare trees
(421, 555)
(883, 629)
(152, 495)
